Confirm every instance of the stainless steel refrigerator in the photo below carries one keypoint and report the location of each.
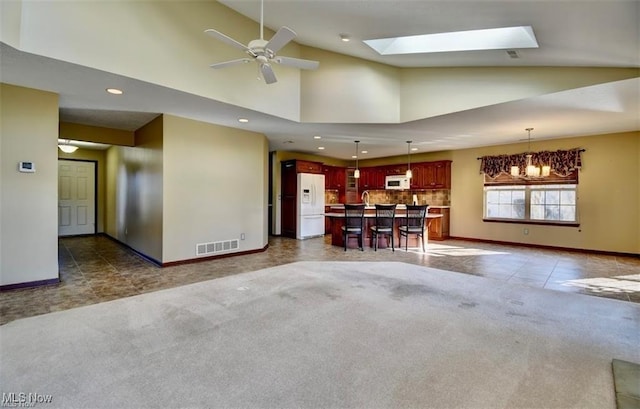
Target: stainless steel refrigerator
(310, 206)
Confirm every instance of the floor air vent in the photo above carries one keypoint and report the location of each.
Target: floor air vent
(203, 249)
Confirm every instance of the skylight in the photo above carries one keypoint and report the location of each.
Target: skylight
(488, 39)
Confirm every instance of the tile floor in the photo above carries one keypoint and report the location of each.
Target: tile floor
(97, 269)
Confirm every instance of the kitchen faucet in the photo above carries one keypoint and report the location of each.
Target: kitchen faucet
(365, 197)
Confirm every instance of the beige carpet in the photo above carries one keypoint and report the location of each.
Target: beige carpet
(326, 335)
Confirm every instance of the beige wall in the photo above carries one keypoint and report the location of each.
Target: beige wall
(99, 157)
(134, 190)
(215, 187)
(82, 32)
(97, 134)
(28, 201)
(608, 196)
(360, 92)
(429, 92)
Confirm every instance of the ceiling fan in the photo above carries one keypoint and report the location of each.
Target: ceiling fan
(264, 52)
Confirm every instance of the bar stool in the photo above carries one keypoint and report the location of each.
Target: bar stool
(414, 224)
(385, 220)
(353, 223)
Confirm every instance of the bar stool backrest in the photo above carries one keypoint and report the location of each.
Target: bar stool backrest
(353, 216)
(385, 216)
(414, 219)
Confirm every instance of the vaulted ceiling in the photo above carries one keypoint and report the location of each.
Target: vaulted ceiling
(571, 33)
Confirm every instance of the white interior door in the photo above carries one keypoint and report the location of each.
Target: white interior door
(76, 197)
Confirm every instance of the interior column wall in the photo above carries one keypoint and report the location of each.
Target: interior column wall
(215, 187)
(134, 191)
(28, 201)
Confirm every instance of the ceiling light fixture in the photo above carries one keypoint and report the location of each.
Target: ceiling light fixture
(66, 147)
(345, 38)
(317, 137)
(530, 170)
(488, 39)
(243, 120)
(409, 173)
(356, 173)
(114, 91)
(321, 148)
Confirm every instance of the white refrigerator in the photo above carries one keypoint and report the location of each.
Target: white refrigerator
(310, 206)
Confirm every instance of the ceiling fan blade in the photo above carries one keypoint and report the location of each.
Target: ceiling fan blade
(280, 39)
(267, 73)
(230, 63)
(297, 62)
(226, 39)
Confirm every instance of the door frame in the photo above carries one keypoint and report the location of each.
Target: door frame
(95, 190)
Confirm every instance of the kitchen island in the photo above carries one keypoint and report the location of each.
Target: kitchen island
(336, 217)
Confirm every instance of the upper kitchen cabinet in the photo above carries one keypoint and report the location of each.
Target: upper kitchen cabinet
(435, 175)
(391, 170)
(418, 176)
(335, 177)
(377, 180)
(304, 166)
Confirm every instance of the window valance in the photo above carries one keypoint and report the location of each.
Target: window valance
(564, 164)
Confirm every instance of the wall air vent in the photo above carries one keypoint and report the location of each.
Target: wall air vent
(513, 54)
(203, 249)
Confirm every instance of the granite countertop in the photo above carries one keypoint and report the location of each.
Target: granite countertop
(372, 215)
(372, 207)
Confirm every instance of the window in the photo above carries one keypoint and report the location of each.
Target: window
(555, 204)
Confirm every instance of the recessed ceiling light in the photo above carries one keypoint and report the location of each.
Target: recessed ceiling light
(317, 137)
(365, 151)
(353, 156)
(321, 148)
(414, 149)
(345, 38)
(243, 120)
(114, 91)
(488, 39)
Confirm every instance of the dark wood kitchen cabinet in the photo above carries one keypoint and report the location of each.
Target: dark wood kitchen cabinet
(289, 187)
(439, 227)
(334, 177)
(372, 178)
(436, 175)
(303, 166)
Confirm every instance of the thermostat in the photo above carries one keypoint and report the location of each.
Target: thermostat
(27, 167)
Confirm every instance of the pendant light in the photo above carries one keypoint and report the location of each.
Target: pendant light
(356, 173)
(409, 174)
(530, 170)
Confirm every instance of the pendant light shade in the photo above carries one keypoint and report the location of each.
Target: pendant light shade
(356, 173)
(66, 147)
(409, 174)
(530, 170)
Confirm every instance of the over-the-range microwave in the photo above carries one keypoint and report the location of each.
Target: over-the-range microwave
(397, 182)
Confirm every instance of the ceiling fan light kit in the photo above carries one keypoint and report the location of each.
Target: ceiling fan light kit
(264, 52)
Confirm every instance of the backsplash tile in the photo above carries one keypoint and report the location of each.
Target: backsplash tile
(438, 197)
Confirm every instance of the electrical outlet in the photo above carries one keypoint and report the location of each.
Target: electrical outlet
(525, 231)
